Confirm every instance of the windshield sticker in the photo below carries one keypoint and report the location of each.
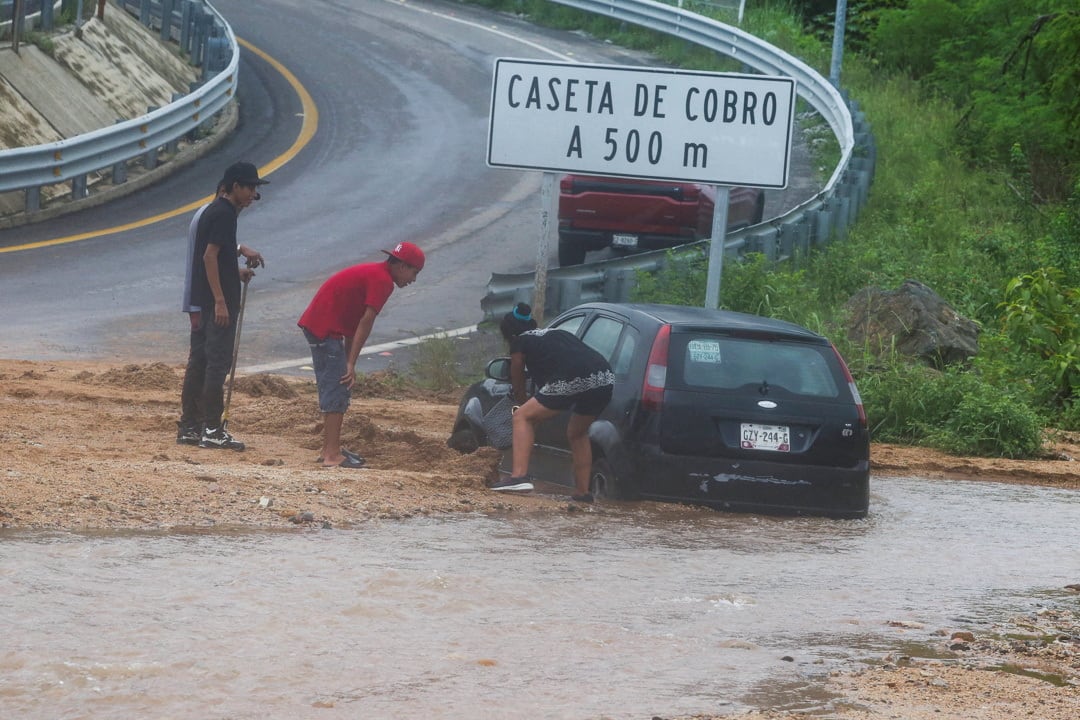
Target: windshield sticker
(704, 351)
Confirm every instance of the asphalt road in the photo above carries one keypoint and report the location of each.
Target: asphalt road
(402, 95)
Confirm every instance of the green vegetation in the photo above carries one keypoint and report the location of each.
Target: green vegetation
(442, 364)
(43, 41)
(975, 108)
(436, 364)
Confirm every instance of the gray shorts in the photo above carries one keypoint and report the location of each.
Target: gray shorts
(329, 360)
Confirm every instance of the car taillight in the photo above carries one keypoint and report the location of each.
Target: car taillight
(566, 185)
(652, 390)
(851, 386)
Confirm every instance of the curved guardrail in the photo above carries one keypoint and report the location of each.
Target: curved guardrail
(814, 222)
(29, 20)
(198, 24)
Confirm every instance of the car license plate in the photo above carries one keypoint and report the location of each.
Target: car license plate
(766, 437)
(621, 240)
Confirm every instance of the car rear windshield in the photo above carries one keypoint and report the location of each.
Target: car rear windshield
(722, 362)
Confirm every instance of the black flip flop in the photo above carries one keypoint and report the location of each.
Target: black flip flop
(346, 453)
(352, 462)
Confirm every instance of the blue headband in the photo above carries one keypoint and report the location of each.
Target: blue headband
(523, 318)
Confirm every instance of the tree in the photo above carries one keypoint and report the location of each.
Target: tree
(1012, 65)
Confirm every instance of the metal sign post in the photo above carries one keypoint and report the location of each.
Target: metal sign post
(16, 24)
(548, 198)
(716, 248)
(838, 42)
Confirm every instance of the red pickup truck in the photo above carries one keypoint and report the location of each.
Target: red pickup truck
(633, 215)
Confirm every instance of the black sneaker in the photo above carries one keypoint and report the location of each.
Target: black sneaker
(187, 434)
(219, 438)
(513, 484)
(582, 498)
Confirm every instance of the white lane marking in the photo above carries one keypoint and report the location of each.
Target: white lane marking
(485, 28)
(372, 350)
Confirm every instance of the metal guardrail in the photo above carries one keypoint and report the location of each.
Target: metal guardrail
(814, 222)
(196, 25)
(40, 17)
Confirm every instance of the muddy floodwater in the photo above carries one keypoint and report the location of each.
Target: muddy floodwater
(625, 612)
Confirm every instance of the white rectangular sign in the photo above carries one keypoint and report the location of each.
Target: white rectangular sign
(655, 123)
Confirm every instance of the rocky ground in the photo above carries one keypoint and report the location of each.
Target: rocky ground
(91, 446)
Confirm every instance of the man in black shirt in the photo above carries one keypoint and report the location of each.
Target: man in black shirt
(215, 287)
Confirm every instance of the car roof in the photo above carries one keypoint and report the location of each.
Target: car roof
(687, 316)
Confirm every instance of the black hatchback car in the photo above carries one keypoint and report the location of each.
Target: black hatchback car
(724, 409)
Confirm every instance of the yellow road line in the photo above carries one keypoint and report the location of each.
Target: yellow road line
(307, 131)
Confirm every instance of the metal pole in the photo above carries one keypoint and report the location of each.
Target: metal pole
(16, 25)
(838, 43)
(547, 205)
(716, 248)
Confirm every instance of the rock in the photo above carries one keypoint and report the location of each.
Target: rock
(963, 636)
(914, 321)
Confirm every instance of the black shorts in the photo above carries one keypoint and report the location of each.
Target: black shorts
(589, 402)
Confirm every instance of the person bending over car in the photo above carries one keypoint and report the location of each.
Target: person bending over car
(568, 375)
(337, 324)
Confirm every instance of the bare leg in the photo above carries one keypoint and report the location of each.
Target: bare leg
(525, 420)
(577, 432)
(331, 450)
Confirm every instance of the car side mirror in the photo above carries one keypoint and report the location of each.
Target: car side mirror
(499, 369)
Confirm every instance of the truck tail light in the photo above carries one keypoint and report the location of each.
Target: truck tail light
(851, 386)
(652, 390)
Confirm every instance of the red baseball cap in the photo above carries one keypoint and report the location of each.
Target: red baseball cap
(408, 253)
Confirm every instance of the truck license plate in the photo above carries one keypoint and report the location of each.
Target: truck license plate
(623, 240)
(766, 437)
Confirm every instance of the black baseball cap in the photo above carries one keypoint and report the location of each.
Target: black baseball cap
(244, 173)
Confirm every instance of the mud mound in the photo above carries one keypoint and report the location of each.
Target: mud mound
(155, 376)
(361, 432)
(397, 449)
(263, 385)
(392, 385)
(484, 463)
(277, 416)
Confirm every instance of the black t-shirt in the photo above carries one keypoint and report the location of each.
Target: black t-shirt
(217, 226)
(554, 358)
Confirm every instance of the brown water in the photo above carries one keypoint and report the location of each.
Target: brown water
(629, 613)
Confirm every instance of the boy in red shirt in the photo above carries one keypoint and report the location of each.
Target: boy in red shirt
(337, 323)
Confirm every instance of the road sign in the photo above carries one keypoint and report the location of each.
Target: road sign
(656, 123)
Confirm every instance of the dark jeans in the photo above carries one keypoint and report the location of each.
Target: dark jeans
(209, 362)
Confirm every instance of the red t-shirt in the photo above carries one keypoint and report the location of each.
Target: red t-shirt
(337, 307)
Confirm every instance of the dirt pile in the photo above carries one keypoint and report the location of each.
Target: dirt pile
(91, 446)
